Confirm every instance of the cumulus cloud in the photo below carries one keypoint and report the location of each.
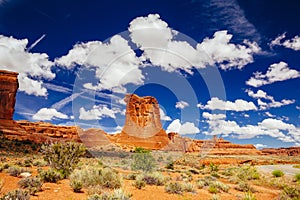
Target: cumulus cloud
(32, 67)
(157, 40)
(276, 72)
(268, 127)
(238, 105)
(271, 102)
(114, 57)
(209, 116)
(181, 104)
(185, 128)
(260, 146)
(97, 112)
(293, 43)
(48, 114)
(269, 114)
(163, 115)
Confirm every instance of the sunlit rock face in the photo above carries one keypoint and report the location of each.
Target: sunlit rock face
(142, 116)
(8, 89)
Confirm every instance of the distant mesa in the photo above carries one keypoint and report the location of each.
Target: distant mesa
(142, 128)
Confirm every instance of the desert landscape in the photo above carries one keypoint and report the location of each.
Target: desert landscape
(44, 161)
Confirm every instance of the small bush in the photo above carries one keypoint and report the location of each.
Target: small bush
(139, 184)
(174, 188)
(296, 166)
(155, 178)
(63, 157)
(117, 194)
(215, 197)
(213, 167)
(143, 161)
(15, 171)
(90, 177)
(200, 184)
(277, 173)
(249, 196)
(221, 186)
(16, 195)
(131, 176)
(297, 177)
(290, 192)
(244, 187)
(215, 174)
(50, 175)
(140, 150)
(31, 184)
(213, 189)
(170, 165)
(188, 187)
(76, 185)
(4, 166)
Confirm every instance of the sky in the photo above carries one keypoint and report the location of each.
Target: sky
(227, 68)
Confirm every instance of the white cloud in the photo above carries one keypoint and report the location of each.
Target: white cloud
(97, 112)
(293, 43)
(260, 146)
(181, 104)
(163, 115)
(32, 67)
(276, 72)
(185, 128)
(269, 114)
(298, 107)
(114, 57)
(48, 114)
(209, 116)
(238, 105)
(272, 103)
(268, 127)
(116, 130)
(157, 40)
(226, 54)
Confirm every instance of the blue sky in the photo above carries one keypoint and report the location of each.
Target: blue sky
(227, 68)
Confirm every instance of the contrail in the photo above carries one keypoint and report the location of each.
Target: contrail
(35, 43)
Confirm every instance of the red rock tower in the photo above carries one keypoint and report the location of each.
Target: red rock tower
(142, 116)
(8, 89)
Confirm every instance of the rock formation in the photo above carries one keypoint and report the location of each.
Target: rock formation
(142, 116)
(289, 151)
(8, 89)
(142, 124)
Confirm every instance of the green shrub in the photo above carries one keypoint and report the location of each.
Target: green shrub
(214, 197)
(131, 176)
(277, 173)
(139, 184)
(143, 161)
(244, 187)
(221, 186)
(117, 194)
(174, 188)
(249, 196)
(291, 192)
(63, 157)
(170, 165)
(140, 150)
(155, 178)
(92, 176)
(50, 175)
(16, 195)
(4, 166)
(15, 171)
(200, 184)
(297, 177)
(296, 166)
(188, 187)
(213, 167)
(31, 184)
(213, 189)
(76, 185)
(215, 174)
(244, 173)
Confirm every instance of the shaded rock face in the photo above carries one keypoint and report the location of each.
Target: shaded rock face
(8, 89)
(289, 151)
(142, 116)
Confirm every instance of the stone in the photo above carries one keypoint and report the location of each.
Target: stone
(142, 116)
(24, 175)
(8, 89)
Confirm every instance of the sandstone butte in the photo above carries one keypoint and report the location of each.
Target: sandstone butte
(142, 128)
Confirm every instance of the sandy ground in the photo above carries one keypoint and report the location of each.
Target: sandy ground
(287, 169)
